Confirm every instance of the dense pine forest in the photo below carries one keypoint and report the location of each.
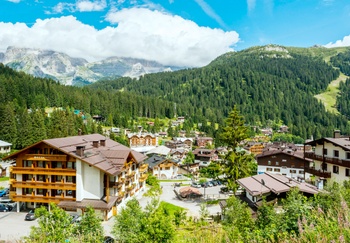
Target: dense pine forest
(266, 85)
(269, 85)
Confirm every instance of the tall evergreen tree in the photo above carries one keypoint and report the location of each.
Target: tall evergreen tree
(8, 128)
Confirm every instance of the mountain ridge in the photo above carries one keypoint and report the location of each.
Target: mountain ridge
(76, 71)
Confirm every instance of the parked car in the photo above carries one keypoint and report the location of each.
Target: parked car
(196, 185)
(177, 184)
(214, 183)
(75, 218)
(108, 239)
(4, 192)
(9, 203)
(225, 190)
(3, 208)
(30, 216)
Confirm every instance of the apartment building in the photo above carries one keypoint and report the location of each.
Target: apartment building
(329, 159)
(76, 172)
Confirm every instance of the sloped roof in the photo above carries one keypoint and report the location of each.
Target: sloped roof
(163, 150)
(297, 154)
(156, 160)
(3, 143)
(188, 190)
(343, 142)
(109, 158)
(267, 182)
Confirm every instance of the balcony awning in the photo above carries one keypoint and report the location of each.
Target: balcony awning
(94, 203)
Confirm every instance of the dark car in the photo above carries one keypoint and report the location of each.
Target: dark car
(225, 190)
(75, 218)
(30, 216)
(9, 203)
(214, 182)
(108, 239)
(3, 208)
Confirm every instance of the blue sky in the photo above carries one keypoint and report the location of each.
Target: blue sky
(173, 32)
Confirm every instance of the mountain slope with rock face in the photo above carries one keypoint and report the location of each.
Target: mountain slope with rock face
(76, 71)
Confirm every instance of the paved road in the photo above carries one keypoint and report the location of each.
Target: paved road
(13, 226)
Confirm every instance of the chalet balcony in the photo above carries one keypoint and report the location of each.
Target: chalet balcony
(40, 198)
(43, 185)
(130, 175)
(318, 173)
(143, 168)
(334, 161)
(42, 171)
(143, 177)
(121, 194)
(129, 188)
(45, 157)
(121, 180)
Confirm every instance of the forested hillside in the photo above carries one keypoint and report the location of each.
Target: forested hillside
(267, 84)
(270, 85)
(20, 92)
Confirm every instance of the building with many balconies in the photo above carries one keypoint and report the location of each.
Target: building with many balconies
(330, 159)
(76, 172)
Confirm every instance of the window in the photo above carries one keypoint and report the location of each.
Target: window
(336, 153)
(284, 160)
(276, 170)
(277, 163)
(325, 151)
(301, 172)
(269, 162)
(293, 171)
(347, 155)
(268, 169)
(347, 172)
(335, 169)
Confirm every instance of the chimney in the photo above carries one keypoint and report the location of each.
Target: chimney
(103, 142)
(95, 144)
(80, 150)
(336, 134)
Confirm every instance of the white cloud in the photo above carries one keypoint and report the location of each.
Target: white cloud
(210, 12)
(140, 33)
(14, 1)
(344, 42)
(79, 6)
(88, 6)
(251, 5)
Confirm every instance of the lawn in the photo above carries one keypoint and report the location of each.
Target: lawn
(5, 178)
(170, 208)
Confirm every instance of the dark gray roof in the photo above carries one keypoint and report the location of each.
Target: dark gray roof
(155, 160)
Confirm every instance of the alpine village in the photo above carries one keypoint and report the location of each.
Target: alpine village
(254, 147)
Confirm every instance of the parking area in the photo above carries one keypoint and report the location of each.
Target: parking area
(13, 226)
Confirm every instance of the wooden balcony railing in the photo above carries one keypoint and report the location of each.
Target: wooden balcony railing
(131, 174)
(121, 180)
(143, 177)
(45, 157)
(318, 173)
(42, 171)
(143, 168)
(335, 161)
(40, 198)
(44, 185)
(165, 165)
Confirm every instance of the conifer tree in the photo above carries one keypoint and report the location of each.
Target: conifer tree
(8, 128)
